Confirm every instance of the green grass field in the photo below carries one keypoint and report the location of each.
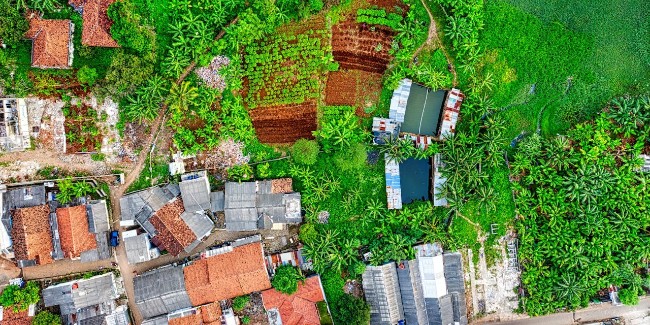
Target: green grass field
(578, 54)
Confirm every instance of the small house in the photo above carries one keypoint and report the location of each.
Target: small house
(298, 308)
(52, 45)
(96, 27)
(161, 291)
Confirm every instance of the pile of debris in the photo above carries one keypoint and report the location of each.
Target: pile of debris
(229, 153)
(210, 74)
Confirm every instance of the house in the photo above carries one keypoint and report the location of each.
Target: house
(88, 301)
(96, 29)
(161, 291)
(14, 125)
(74, 231)
(429, 289)
(32, 236)
(381, 289)
(269, 204)
(294, 258)
(450, 113)
(161, 213)
(230, 273)
(10, 200)
(195, 191)
(298, 308)
(51, 42)
(138, 247)
(384, 129)
(97, 212)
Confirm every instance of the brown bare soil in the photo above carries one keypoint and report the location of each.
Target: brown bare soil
(354, 88)
(389, 5)
(77, 124)
(361, 46)
(284, 123)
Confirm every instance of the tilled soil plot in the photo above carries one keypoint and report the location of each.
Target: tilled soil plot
(361, 46)
(354, 88)
(284, 123)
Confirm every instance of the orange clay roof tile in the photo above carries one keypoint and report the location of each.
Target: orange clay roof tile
(227, 275)
(31, 234)
(173, 233)
(96, 24)
(73, 231)
(51, 41)
(298, 308)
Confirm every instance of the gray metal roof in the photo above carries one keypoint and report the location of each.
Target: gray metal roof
(440, 310)
(172, 190)
(102, 252)
(265, 187)
(269, 200)
(292, 207)
(240, 195)
(24, 197)
(57, 252)
(200, 223)
(142, 218)
(454, 276)
(411, 293)
(156, 197)
(196, 194)
(217, 201)
(130, 205)
(88, 292)
(242, 219)
(382, 291)
(162, 320)
(161, 291)
(97, 217)
(137, 249)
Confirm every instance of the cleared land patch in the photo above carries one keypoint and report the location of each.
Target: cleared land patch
(284, 123)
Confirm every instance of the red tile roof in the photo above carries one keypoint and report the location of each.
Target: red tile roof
(96, 29)
(282, 185)
(31, 234)
(51, 41)
(10, 317)
(298, 308)
(173, 233)
(227, 275)
(73, 231)
(205, 315)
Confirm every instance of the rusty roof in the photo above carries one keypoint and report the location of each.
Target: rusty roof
(298, 308)
(74, 231)
(31, 234)
(206, 314)
(96, 24)
(51, 41)
(282, 185)
(173, 234)
(239, 272)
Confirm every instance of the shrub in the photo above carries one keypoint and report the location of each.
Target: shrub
(46, 318)
(12, 24)
(628, 296)
(245, 320)
(239, 303)
(352, 159)
(87, 75)
(305, 152)
(351, 310)
(286, 279)
(98, 157)
(308, 233)
(20, 298)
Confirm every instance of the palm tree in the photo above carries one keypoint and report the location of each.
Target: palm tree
(44, 5)
(182, 96)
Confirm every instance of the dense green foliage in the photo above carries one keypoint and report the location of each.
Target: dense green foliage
(286, 279)
(46, 318)
(351, 310)
(239, 303)
(379, 17)
(69, 190)
(585, 209)
(305, 152)
(12, 25)
(20, 298)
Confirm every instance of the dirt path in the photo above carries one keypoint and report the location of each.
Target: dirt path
(433, 39)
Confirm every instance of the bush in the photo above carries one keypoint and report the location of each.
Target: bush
(12, 24)
(305, 152)
(239, 303)
(87, 75)
(46, 318)
(352, 159)
(286, 279)
(98, 157)
(308, 233)
(20, 298)
(351, 310)
(245, 320)
(628, 296)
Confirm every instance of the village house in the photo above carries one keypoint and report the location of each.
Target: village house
(222, 273)
(294, 258)
(299, 308)
(423, 116)
(429, 289)
(96, 27)
(83, 232)
(52, 46)
(173, 216)
(89, 301)
(268, 204)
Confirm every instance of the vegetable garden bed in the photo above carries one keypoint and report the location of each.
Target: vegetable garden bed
(284, 123)
(362, 46)
(356, 88)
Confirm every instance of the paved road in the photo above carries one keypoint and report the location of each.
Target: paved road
(632, 315)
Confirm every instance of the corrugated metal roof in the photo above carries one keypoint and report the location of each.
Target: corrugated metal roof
(240, 195)
(156, 321)
(217, 201)
(411, 293)
(399, 100)
(199, 223)
(393, 187)
(88, 292)
(137, 249)
(97, 216)
(130, 205)
(161, 291)
(242, 219)
(195, 194)
(382, 291)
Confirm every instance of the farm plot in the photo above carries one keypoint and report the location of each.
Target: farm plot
(357, 88)
(285, 68)
(284, 123)
(361, 46)
(81, 130)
